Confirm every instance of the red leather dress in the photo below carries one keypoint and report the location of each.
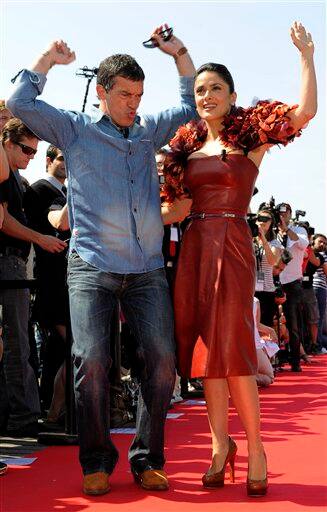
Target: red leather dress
(215, 279)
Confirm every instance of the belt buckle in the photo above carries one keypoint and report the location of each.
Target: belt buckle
(202, 215)
(232, 215)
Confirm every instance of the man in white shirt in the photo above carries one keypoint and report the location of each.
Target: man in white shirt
(295, 239)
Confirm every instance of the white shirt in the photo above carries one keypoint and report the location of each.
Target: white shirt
(293, 270)
(56, 183)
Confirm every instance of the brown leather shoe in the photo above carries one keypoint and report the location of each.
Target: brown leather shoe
(96, 483)
(152, 479)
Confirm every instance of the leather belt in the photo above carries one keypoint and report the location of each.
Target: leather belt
(225, 215)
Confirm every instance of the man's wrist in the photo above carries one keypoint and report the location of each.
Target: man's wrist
(182, 51)
(44, 63)
(36, 237)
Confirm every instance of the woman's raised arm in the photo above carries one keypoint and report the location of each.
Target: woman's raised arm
(308, 95)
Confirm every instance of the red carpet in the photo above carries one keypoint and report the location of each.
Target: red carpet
(293, 426)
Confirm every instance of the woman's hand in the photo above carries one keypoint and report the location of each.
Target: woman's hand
(177, 211)
(302, 39)
(261, 233)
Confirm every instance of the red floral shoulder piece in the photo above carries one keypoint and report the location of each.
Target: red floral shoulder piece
(265, 123)
(247, 129)
(188, 138)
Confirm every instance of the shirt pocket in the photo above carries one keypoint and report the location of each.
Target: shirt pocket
(146, 150)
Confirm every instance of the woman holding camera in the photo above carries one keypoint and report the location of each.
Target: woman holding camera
(217, 161)
(267, 252)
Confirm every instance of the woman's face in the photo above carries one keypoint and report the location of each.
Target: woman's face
(212, 96)
(265, 225)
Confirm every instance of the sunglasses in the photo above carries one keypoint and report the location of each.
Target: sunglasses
(264, 218)
(165, 34)
(27, 150)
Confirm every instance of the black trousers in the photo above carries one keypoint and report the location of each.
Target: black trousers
(293, 313)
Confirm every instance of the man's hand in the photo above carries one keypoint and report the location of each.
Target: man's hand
(2, 215)
(184, 64)
(302, 39)
(170, 47)
(50, 243)
(57, 53)
(282, 225)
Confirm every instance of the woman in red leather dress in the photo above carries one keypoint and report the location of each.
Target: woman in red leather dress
(217, 161)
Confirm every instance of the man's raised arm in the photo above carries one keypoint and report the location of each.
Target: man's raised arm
(165, 123)
(47, 122)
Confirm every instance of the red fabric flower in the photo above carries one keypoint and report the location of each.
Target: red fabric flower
(246, 129)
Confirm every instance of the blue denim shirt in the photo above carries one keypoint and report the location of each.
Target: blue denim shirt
(113, 188)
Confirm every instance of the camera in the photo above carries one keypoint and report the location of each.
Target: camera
(251, 220)
(286, 256)
(275, 210)
(279, 290)
(299, 213)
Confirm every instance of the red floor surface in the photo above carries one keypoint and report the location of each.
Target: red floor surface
(293, 427)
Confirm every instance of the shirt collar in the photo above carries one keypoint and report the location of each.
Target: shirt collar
(56, 183)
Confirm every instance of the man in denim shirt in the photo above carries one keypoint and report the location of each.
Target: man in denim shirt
(115, 251)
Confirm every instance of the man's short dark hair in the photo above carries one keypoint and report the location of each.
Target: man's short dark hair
(118, 65)
(14, 130)
(52, 152)
(318, 235)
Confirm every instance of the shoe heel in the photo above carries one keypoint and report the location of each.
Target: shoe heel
(232, 468)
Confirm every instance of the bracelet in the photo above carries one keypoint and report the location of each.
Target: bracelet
(180, 52)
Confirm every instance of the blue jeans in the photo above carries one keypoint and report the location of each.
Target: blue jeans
(145, 302)
(321, 294)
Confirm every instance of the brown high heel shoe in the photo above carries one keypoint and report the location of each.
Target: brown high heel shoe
(218, 479)
(257, 488)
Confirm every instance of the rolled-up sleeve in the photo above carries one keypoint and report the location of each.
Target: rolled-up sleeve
(302, 242)
(47, 122)
(165, 123)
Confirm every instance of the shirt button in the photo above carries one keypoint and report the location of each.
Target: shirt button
(132, 181)
(129, 152)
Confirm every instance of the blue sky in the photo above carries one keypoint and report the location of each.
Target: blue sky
(251, 38)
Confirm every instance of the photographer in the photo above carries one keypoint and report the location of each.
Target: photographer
(311, 262)
(319, 245)
(267, 250)
(295, 240)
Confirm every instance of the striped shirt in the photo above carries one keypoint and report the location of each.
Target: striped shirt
(319, 277)
(263, 266)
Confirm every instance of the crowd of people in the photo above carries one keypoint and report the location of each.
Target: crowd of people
(143, 228)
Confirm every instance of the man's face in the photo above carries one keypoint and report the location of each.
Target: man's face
(160, 160)
(121, 101)
(57, 167)
(5, 116)
(319, 244)
(17, 153)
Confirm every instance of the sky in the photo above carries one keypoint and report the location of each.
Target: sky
(251, 38)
